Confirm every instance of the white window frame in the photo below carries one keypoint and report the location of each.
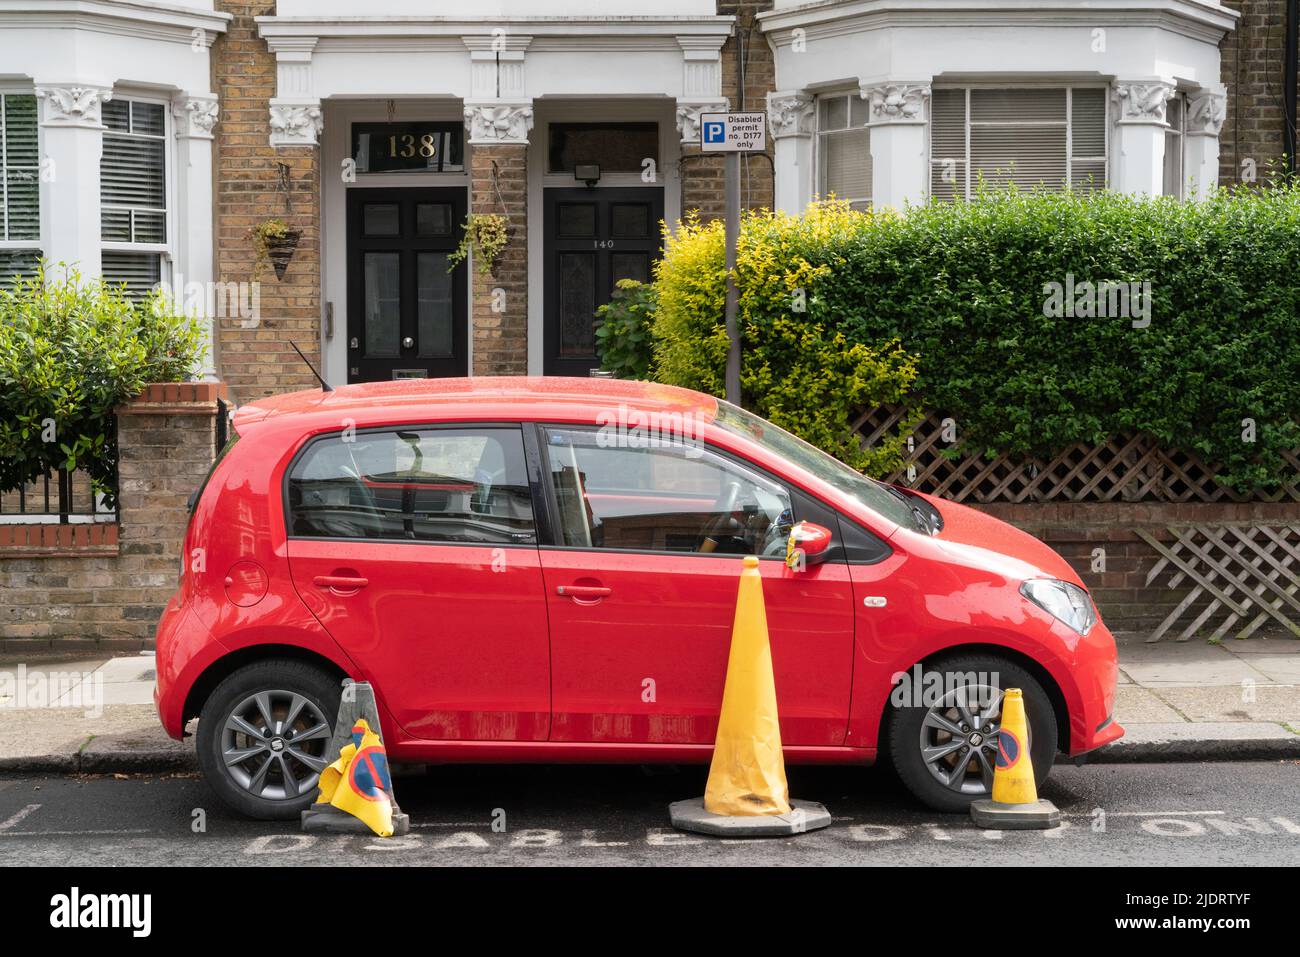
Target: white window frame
(1176, 137)
(167, 251)
(1068, 123)
(38, 244)
(819, 186)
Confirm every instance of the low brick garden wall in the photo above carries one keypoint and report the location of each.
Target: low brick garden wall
(102, 586)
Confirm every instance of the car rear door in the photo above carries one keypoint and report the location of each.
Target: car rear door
(641, 578)
(416, 548)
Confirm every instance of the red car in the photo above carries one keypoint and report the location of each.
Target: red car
(545, 569)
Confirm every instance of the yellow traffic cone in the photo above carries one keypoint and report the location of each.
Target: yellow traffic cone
(747, 775)
(1014, 804)
(747, 794)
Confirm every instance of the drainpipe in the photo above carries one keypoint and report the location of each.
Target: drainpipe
(1292, 64)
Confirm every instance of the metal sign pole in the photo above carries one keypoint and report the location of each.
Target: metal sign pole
(733, 134)
(733, 296)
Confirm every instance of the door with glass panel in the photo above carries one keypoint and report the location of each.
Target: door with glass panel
(407, 314)
(594, 238)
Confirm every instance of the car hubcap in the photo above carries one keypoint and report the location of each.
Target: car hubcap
(273, 745)
(959, 739)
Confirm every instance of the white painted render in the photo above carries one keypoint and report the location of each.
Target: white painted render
(75, 55)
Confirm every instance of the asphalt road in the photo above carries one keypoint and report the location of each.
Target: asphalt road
(1149, 814)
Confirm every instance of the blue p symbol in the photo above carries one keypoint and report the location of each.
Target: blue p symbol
(715, 132)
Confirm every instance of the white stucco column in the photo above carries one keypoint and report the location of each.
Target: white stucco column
(898, 124)
(196, 115)
(1206, 110)
(72, 141)
(791, 115)
(1140, 135)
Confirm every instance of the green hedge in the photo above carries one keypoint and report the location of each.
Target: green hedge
(71, 352)
(974, 292)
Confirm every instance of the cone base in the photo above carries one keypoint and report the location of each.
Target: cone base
(327, 819)
(804, 816)
(1039, 815)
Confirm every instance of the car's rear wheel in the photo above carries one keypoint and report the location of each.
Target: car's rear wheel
(262, 737)
(944, 746)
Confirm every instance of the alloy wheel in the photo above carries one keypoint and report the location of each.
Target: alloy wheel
(959, 738)
(273, 744)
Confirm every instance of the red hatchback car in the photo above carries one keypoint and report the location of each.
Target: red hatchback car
(546, 570)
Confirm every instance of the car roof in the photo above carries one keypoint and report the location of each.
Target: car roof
(554, 398)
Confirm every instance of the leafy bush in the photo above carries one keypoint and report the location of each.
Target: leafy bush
(1210, 362)
(624, 338)
(798, 369)
(70, 352)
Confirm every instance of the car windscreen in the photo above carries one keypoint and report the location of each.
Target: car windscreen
(871, 494)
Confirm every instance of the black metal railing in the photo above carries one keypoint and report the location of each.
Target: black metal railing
(59, 496)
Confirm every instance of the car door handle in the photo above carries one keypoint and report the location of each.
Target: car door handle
(583, 591)
(342, 582)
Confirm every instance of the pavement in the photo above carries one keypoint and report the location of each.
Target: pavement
(1222, 813)
(1178, 701)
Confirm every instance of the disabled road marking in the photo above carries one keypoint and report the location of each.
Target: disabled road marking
(18, 818)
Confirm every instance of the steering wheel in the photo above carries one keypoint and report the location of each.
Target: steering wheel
(723, 521)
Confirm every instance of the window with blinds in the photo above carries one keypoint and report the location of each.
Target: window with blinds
(20, 186)
(133, 193)
(1053, 138)
(844, 149)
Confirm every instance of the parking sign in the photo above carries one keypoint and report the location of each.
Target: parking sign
(733, 132)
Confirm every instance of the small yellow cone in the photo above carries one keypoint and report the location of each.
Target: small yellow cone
(747, 776)
(1013, 774)
(359, 782)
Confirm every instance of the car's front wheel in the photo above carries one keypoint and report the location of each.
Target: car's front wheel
(262, 737)
(943, 736)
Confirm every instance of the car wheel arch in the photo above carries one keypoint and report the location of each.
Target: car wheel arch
(1036, 669)
(218, 670)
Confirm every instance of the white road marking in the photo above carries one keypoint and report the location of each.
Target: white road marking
(17, 819)
(141, 830)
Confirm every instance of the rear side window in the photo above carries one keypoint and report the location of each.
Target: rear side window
(467, 485)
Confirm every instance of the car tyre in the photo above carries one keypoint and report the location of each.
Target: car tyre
(262, 737)
(905, 726)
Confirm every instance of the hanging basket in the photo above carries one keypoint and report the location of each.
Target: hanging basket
(280, 250)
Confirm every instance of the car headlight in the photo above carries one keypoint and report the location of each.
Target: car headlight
(1066, 602)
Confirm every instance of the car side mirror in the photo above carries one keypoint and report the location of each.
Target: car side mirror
(808, 544)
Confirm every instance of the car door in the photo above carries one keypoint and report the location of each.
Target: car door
(416, 548)
(641, 581)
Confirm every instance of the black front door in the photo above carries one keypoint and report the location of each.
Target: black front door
(594, 237)
(407, 315)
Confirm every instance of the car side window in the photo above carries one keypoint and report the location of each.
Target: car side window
(667, 497)
(467, 485)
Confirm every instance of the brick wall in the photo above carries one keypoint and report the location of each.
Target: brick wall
(703, 182)
(251, 188)
(102, 587)
(499, 310)
(1253, 58)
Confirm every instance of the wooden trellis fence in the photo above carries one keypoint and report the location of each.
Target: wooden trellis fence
(1250, 573)
(1130, 468)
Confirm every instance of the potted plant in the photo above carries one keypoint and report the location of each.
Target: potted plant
(486, 234)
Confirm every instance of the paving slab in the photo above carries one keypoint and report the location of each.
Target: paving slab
(1135, 705)
(1259, 703)
(1196, 665)
(1262, 646)
(1201, 741)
